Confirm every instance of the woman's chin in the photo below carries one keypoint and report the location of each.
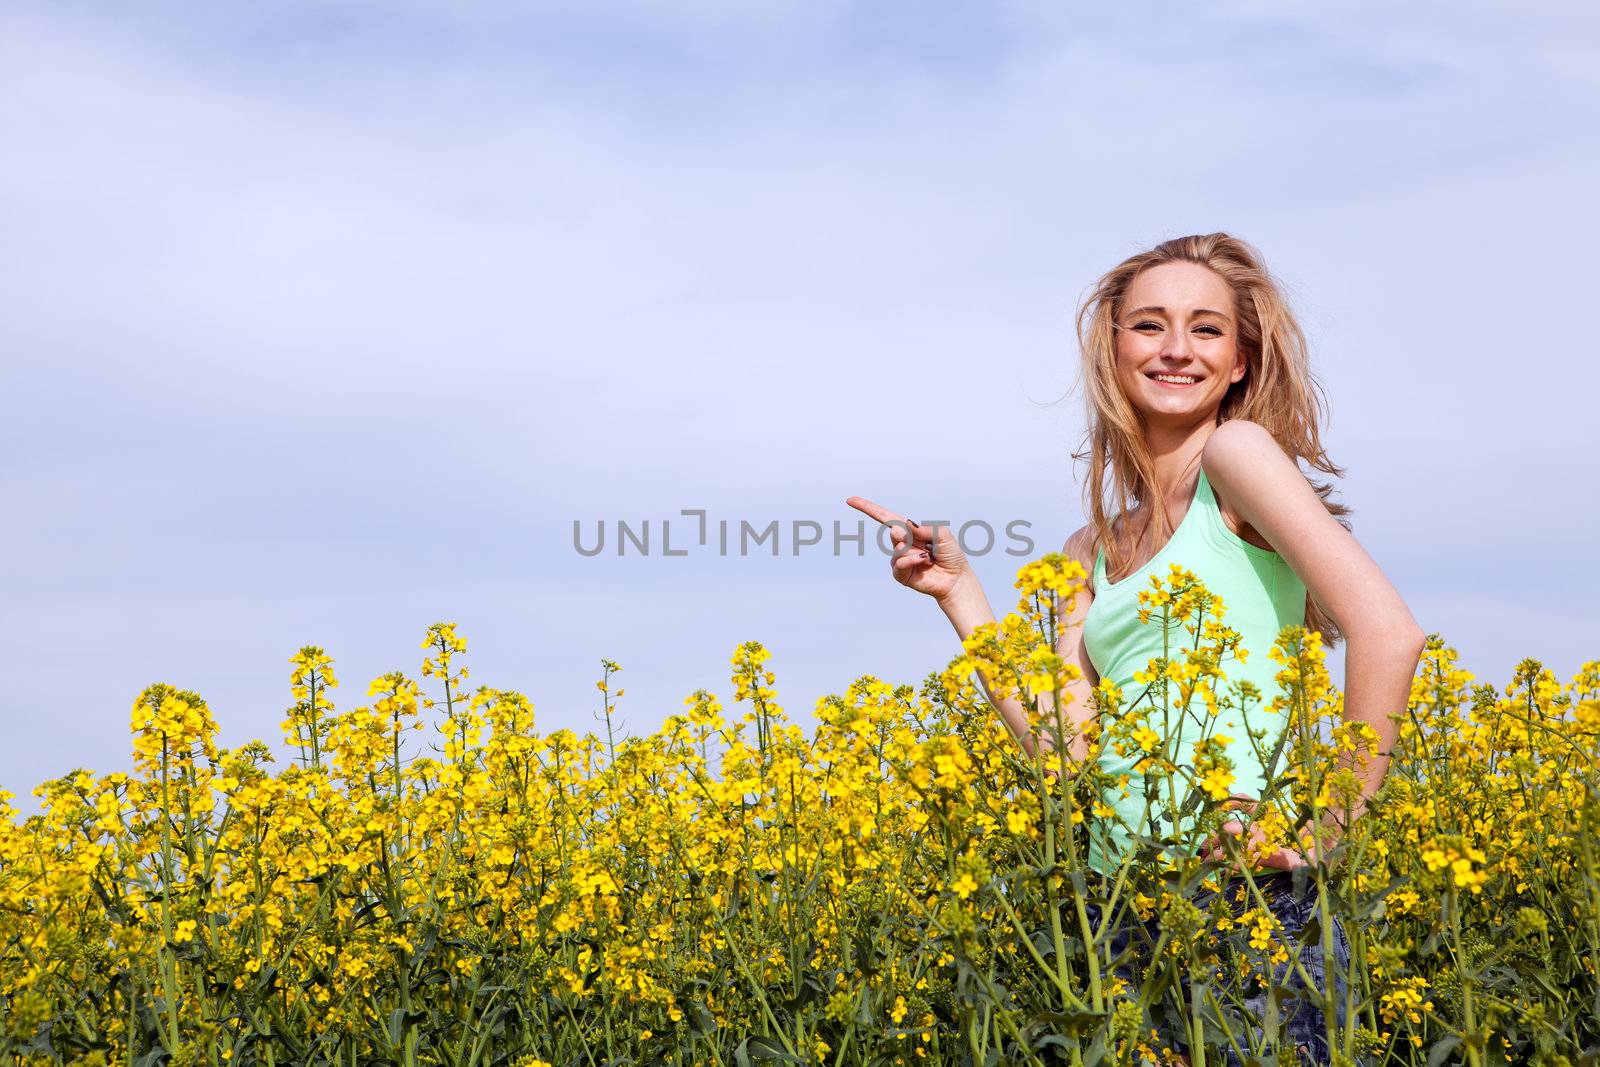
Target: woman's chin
(1177, 410)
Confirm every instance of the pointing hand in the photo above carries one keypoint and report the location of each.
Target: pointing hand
(926, 558)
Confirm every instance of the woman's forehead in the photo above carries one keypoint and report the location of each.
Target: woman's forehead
(1179, 287)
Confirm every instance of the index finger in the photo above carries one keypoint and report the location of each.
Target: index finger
(878, 511)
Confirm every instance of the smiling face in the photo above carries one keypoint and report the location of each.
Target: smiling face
(1176, 343)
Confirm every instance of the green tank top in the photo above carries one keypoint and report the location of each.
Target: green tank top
(1261, 595)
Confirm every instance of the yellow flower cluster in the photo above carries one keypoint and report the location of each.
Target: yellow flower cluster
(431, 879)
(1464, 862)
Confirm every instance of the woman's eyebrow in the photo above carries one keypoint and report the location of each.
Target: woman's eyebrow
(1162, 310)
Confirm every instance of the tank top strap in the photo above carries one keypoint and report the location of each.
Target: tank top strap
(1209, 523)
(1223, 538)
(1206, 497)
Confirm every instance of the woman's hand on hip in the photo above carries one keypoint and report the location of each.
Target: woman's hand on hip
(1253, 842)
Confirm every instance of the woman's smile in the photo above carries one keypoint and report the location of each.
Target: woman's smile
(1173, 381)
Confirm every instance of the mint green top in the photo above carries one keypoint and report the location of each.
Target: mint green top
(1261, 595)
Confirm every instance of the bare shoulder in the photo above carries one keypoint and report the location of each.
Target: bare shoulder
(1248, 469)
(1243, 459)
(1240, 443)
(1080, 546)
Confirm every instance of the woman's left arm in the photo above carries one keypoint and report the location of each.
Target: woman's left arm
(1383, 642)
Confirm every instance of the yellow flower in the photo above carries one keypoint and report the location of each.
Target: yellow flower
(1218, 782)
(1262, 925)
(1406, 1000)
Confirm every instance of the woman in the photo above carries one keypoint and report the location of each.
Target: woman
(1201, 403)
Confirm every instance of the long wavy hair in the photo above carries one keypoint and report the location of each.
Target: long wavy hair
(1278, 391)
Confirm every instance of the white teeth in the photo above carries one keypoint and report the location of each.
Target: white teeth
(1177, 379)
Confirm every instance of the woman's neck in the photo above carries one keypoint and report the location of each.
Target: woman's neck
(1175, 452)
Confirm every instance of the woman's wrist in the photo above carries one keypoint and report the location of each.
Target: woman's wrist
(966, 605)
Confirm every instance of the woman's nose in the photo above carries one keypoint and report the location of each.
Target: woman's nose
(1177, 346)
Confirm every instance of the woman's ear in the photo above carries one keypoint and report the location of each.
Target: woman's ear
(1241, 364)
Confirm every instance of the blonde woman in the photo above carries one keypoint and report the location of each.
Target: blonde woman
(1201, 408)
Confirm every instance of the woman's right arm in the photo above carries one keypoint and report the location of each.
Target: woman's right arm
(967, 608)
(929, 559)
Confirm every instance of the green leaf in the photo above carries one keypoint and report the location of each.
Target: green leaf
(1441, 1049)
(756, 1049)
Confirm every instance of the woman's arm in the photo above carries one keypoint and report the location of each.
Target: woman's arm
(967, 608)
(1383, 641)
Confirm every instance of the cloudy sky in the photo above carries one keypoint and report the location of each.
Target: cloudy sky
(323, 321)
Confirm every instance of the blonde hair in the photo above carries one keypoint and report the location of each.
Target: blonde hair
(1278, 391)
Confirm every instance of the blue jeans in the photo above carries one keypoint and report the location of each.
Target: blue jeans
(1300, 1020)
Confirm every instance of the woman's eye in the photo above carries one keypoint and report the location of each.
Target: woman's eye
(1147, 326)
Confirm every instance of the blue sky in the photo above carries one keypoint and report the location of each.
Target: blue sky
(324, 321)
